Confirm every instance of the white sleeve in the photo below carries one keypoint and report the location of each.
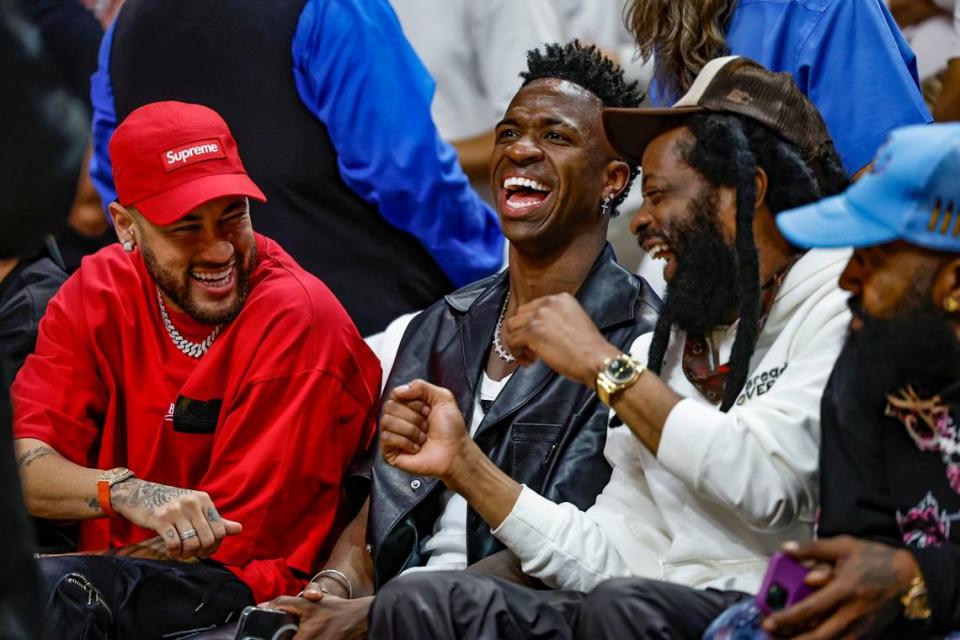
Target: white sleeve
(760, 459)
(505, 31)
(622, 534)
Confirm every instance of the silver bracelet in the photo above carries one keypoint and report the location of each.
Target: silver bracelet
(337, 576)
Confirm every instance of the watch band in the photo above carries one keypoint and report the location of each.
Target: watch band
(105, 482)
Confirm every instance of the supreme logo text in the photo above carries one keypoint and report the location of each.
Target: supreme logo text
(193, 152)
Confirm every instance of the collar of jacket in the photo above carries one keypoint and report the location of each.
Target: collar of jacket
(601, 295)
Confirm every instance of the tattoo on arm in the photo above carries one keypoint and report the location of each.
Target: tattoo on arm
(32, 456)
(94, 504)
(147, 495)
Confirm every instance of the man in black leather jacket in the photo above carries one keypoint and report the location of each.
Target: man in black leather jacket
(558, 182)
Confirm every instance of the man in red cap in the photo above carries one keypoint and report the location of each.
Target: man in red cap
(194, 383)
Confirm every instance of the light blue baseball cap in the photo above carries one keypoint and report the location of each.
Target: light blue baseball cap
(911, 193)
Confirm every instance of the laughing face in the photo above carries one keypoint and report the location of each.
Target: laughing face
(691, 226)
(551, 166)
(202, 262)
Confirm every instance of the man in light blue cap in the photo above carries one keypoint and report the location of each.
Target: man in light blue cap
(887, 562)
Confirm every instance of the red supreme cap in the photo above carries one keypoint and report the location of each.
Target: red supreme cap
(170, 157)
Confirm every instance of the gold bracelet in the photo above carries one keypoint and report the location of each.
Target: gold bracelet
(914, 601)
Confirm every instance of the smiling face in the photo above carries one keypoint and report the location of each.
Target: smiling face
(674, 194)
(690, 224)
(202, 262)
(551, 166)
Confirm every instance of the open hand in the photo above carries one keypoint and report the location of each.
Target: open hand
(860, 596)
(187, 520)
(557, 330)
(422, 430)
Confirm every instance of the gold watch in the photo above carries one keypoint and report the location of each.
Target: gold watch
(914, 601)
(617, 374)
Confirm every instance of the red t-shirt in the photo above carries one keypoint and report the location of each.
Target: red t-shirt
(298, 385)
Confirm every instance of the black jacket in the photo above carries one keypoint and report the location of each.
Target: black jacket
(24, 295)
(877, 483)
(543, 430)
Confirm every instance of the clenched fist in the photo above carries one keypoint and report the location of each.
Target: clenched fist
(422, 430)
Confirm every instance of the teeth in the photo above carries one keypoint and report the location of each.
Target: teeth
(658, 249)
(211, 276)
(525, 183)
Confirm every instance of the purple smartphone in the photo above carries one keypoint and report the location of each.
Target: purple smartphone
(783, 584)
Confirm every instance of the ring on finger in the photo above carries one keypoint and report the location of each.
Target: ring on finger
(189, 533)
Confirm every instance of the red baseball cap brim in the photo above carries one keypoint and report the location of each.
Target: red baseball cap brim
(171, 205)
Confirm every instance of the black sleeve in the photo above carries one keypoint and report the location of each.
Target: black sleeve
(854, 496)
(941, 571)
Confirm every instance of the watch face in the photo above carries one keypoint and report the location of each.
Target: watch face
(620, 369)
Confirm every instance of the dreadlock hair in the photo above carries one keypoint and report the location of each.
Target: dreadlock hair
(587, 67)
(726, 150)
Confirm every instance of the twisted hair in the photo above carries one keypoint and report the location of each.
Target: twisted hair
(726, 151)
(681, 35)
(587, 67)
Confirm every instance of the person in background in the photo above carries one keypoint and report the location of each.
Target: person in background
(161, 393)
(887, 562)
(47, 128)
(332, 108)
(836, 50)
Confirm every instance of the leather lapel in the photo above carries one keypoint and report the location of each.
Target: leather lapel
(603, 298)
(467, 356)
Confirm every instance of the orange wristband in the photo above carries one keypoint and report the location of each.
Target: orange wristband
(103, 495)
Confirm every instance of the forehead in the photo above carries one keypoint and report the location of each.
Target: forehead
(555, 97)
(663, 157)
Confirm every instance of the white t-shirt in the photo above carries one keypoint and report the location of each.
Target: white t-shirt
(446, 549)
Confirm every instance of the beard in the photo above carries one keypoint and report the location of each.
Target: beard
(916, 347)
(177, 288)
(703, 292)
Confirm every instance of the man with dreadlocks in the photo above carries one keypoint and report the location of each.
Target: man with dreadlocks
(556, 182)
(716, 465)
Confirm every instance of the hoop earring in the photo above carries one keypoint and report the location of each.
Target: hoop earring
(605, 205)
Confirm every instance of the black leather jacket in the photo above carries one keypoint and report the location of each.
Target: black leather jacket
(543, 430)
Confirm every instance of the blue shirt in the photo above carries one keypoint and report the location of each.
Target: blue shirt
(848, 56)
(356, 72)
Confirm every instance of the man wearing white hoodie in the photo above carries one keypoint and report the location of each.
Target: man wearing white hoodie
(714, 449)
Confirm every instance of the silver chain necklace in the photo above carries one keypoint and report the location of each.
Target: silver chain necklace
(192, 349)
(498, 347)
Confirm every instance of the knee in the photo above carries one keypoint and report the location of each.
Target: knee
(616, 605)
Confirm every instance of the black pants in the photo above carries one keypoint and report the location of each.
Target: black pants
(466, 606)
(92, 597)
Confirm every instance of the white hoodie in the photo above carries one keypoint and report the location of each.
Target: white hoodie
(726, 489)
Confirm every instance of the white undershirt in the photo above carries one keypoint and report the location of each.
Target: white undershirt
(446, 549)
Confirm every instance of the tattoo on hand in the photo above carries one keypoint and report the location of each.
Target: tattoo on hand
(171, 534)
(94, 504)
(32, 456)
(212, 515)
(149, 496)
